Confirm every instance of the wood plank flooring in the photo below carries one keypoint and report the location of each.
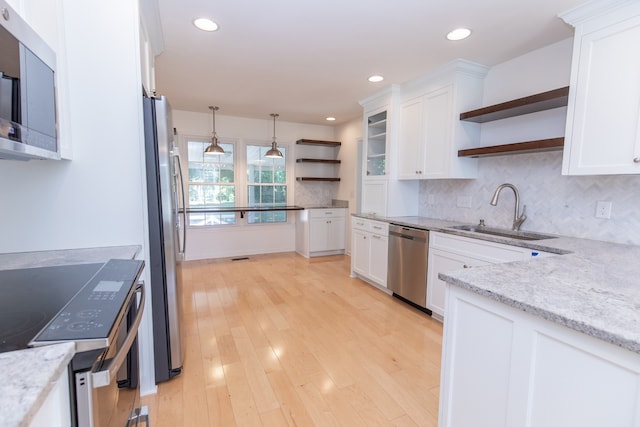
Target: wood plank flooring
(280, 340)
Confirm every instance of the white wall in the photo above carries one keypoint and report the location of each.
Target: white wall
(232, 241)
(98, 198)
(81, 203)
(349, 134)
(555, 203)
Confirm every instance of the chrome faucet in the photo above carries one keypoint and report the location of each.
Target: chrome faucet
(518, 218)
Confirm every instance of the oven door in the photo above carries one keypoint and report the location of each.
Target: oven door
(106, 381)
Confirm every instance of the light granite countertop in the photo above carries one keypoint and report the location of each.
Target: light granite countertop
(26, 376)
(593, 287)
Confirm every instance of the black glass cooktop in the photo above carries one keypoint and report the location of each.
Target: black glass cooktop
(30, 298)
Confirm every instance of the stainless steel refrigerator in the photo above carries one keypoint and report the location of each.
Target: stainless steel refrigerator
(167, 236)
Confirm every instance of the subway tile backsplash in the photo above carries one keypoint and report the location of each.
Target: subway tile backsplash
(555, 203)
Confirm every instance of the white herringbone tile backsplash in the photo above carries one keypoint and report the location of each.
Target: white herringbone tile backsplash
(555, 203)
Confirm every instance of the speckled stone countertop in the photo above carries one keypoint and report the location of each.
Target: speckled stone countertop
(26, 376)
(593, 287)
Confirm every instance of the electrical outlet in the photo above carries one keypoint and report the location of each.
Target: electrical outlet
(464, 201)
(603, 209)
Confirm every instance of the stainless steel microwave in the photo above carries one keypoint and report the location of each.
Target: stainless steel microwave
(28, 119)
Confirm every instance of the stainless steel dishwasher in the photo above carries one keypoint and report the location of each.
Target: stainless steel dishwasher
(407, 269)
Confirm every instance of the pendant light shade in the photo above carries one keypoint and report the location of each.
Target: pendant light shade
(214, 149)
(274, 153)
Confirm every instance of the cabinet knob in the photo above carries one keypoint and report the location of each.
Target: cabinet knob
(636, 160)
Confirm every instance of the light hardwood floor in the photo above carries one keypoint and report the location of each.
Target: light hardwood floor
(280, 340)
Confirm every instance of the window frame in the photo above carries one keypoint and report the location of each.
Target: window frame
(241, 177)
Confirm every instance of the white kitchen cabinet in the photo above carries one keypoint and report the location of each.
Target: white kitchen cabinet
(54, 411)
(430, 132)
(602, 134)
(369, 250)
(320, 232)
(504, 367)
(449, 252)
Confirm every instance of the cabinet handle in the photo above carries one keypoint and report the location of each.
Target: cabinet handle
(328, 222)
(376, 237)
(636, 160)
(466, 266)
(377, 227)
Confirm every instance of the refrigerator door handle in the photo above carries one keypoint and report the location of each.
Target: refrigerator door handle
(181, 248)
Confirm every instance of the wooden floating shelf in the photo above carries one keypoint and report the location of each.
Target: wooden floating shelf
(333, 162)
(529, 104)
(538, 146)
(318, 143)
(306, 178)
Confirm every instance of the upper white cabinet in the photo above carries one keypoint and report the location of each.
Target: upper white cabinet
(603, 118)
(382, 194)
(430, 132)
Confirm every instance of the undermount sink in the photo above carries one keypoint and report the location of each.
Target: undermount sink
(520, 235)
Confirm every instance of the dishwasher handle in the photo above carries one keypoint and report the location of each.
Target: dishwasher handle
(409, 233)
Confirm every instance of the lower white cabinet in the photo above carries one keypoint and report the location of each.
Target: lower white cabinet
(504, 367)
(369, 250)
(449, 252)
(320, 232)
(55, 410)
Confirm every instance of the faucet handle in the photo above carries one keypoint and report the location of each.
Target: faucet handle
(518, 221)
(481, 224)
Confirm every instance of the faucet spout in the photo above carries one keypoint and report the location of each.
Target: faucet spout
(518, 218)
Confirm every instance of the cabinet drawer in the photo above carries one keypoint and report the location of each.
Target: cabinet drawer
(479, 249)
(326, 213)
(378, 227)
(359, 223)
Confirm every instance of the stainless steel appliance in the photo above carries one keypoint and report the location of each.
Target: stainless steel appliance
(27, 91)
(96, 306)
(407, 265)
(167, 235)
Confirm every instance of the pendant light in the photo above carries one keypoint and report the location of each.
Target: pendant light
(274, 153)
(214, 149)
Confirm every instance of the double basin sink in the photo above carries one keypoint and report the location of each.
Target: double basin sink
(501, 232)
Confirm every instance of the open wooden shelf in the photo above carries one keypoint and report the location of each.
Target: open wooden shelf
(537, 146)
(517, 107)
(318, 143)
(334, 162)
(308, 178)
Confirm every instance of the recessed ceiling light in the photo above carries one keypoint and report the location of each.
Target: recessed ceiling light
(205, 24)
(459, 34)
(331, 119)
(376, 79)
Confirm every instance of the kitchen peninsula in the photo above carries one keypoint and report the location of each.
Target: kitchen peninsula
(546, 342)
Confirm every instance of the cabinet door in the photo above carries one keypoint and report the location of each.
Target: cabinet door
(374, 197)
(360, 251)
(335, 234)
(375, 144)
(442, 262)
(411, 139)
(438, 107)
(319, 234)
(603, 116)
(379, 246)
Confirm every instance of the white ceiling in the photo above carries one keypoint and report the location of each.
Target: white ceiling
(309, 59)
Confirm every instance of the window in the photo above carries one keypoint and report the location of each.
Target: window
(211, 183)
(266, 184)
(242, 177)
